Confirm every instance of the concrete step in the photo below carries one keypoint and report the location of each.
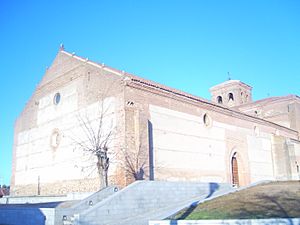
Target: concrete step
(132, 204)
(163, 213)
(83, 205)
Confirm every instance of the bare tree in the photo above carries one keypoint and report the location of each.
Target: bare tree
(134, 161)
(98, 133)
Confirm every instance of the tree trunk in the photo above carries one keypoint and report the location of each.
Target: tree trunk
(102, 166)
(100, 174)
(106, 178)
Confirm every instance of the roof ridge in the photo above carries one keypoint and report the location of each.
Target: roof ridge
(153, 84)
(133, 77)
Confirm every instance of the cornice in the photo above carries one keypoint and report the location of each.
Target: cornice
(140, 84)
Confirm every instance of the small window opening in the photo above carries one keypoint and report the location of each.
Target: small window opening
(56, 98)
(230, 97)
(207, 120)
(219, 99)
(55, 139)
(256, 131)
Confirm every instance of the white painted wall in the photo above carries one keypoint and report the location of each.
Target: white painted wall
(36, 157)
(48, 111)
(182, 141)
(260, 157)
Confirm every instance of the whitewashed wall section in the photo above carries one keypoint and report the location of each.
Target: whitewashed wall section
(182, 141)
(35, 155)
(48, 111)
(260, 157)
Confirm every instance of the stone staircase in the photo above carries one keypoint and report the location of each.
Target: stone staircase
(138, 203)
(67, 212)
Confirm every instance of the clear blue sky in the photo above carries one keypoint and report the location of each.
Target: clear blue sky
(189, 45)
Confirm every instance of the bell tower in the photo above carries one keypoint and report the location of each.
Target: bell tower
(231, 93)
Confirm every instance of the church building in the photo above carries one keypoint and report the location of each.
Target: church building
(158, 132)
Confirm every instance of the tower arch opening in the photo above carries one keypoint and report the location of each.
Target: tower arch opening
(230, 97)
(220, 99)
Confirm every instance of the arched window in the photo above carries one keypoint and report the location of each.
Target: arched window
(230, 97)
(219, 99)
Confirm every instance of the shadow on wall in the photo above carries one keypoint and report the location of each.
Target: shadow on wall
(25, 214)
(213, 187)
(151, 159)
(22, 216)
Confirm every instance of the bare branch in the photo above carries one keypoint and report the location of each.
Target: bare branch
(98, 136)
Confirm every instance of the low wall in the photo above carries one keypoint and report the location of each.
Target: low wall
(27, 216)
(41, 199)
(281, 221)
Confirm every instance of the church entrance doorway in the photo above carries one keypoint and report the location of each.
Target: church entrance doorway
(234, 171)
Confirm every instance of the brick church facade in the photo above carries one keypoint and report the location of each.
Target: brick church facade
(173, 135)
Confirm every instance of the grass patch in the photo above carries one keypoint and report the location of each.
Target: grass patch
(272, 200)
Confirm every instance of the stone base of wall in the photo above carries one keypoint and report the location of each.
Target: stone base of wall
(58, 188)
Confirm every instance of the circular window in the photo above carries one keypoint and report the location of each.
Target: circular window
(55, 139)
(207, 120)
(56, 98)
